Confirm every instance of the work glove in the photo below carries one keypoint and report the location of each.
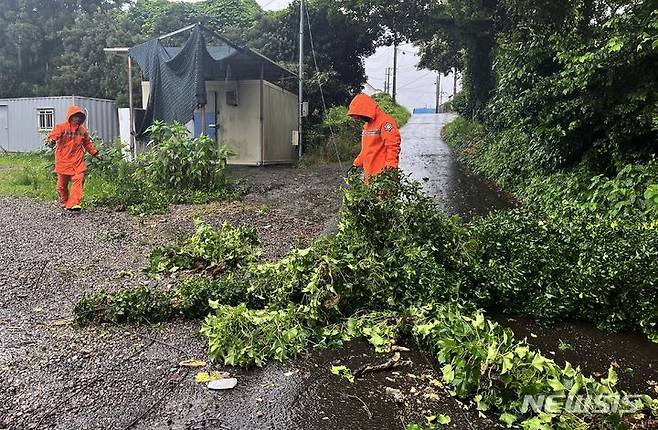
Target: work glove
(394, 172)
(353, 170)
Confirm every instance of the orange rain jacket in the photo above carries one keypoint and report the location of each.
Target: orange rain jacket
(71, 139)
(380, 141)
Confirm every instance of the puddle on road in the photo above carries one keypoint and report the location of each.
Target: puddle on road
(430, 161)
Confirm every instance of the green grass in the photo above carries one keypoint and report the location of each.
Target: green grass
(32, 176)
(27, 175)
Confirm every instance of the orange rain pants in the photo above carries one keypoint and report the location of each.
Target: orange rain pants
(73, 197)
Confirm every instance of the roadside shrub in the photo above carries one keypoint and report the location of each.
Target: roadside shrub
(398, 112)
(460, 103)
(483, 361)
(336, 138)
(583, 267)
(174, 161)
(630, 193)
(175, 170)
(208, 249)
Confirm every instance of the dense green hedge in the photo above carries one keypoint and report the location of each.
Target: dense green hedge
(631, 192)
(583, 246)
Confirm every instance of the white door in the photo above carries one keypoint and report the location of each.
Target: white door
(4, 128)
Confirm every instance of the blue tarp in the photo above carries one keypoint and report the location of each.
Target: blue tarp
(424, 110)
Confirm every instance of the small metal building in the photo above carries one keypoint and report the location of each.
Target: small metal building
(25, 122)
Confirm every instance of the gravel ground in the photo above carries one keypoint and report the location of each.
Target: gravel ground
(51, 257)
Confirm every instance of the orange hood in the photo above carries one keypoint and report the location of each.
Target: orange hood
(72, 111)
(364, 105)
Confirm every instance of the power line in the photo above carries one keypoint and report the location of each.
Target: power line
(267, 4)
(415, 80)
(324, 103)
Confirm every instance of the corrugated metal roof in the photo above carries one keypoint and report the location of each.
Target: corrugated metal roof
(58, 98)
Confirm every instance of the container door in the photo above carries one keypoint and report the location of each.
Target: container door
(211, 124)
(4, 128)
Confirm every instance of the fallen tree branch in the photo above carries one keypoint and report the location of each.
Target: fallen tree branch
(365, 407)
(391, 363)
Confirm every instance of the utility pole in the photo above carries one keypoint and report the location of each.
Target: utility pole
(387, 82)
(131, 120)
(438, 92)
(395, 70)
(454, 82)
(301, 75)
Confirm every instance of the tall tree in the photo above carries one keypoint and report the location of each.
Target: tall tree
(83, 68)
(30, 40)
(341, 42)
(56, 47)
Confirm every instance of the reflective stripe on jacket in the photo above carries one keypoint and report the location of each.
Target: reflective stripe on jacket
(380, 139)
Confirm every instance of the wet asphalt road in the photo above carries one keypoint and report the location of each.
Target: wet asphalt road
(426, 158)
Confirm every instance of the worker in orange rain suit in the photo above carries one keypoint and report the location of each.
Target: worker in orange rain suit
(380, 141)
(69, 139)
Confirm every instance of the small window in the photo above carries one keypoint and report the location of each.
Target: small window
(232, 98)
(46, 119)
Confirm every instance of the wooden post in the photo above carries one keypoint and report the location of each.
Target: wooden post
(202, 114)
(262, 114)
(133, 149)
